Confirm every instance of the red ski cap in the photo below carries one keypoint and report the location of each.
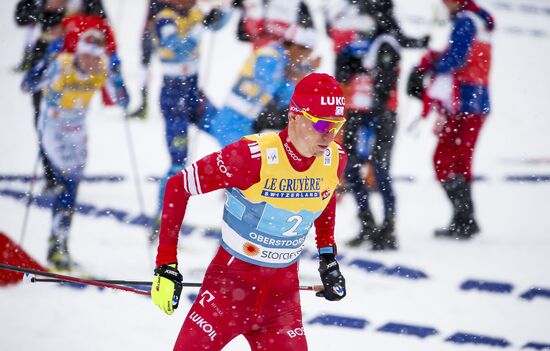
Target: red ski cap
(320, 95)
(75, 26)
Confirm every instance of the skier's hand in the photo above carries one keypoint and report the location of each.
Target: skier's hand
(425, 41)
(166, 288)
(122, 98)
(333, 281)
(415, 83)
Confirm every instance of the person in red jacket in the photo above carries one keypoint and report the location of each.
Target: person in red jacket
(278, 185)
(459, 90)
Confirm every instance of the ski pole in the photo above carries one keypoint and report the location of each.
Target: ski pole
(133, 163)
(412, 127)
(137, 180)
(107, 281)
(29, 199)
(114, 284)
(72, 279)
(137, 282)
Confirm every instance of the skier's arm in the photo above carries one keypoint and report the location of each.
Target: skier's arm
(115, 87)
(269, 71)
(54, 82)
(324, 224)
(237, 165)
(35, 79)
(334, 283)
(259, 87)
(27, 12)
(460, 43)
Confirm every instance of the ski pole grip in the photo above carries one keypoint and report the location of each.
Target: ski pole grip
(315, 288)
(318, 288)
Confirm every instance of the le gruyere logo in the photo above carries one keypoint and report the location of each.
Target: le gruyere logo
(292, 187)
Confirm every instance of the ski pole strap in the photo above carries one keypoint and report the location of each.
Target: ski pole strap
(169, 272)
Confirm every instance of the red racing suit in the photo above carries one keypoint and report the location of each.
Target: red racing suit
(237, 297)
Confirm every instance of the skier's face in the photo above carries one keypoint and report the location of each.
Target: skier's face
(88, 63)
(90, 50)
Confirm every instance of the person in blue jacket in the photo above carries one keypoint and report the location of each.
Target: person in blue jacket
(268, 76)
(178, 29)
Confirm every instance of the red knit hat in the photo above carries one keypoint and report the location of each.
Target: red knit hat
(74, 26)
(320, 95)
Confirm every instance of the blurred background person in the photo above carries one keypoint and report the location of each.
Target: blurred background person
(147, 50)
(367, 40)
(262, 21)
(70, 81)
(178, 30)
(459, 90)
(268, 76)
(48, 16)
(24, 19)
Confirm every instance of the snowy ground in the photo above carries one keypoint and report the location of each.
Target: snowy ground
(432, 312)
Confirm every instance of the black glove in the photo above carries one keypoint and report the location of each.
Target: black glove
(412, 43)
(425, 41)
(213, 17)
(415, 83)
(333, 281)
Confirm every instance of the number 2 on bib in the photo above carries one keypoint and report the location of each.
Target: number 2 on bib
(292, 231)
